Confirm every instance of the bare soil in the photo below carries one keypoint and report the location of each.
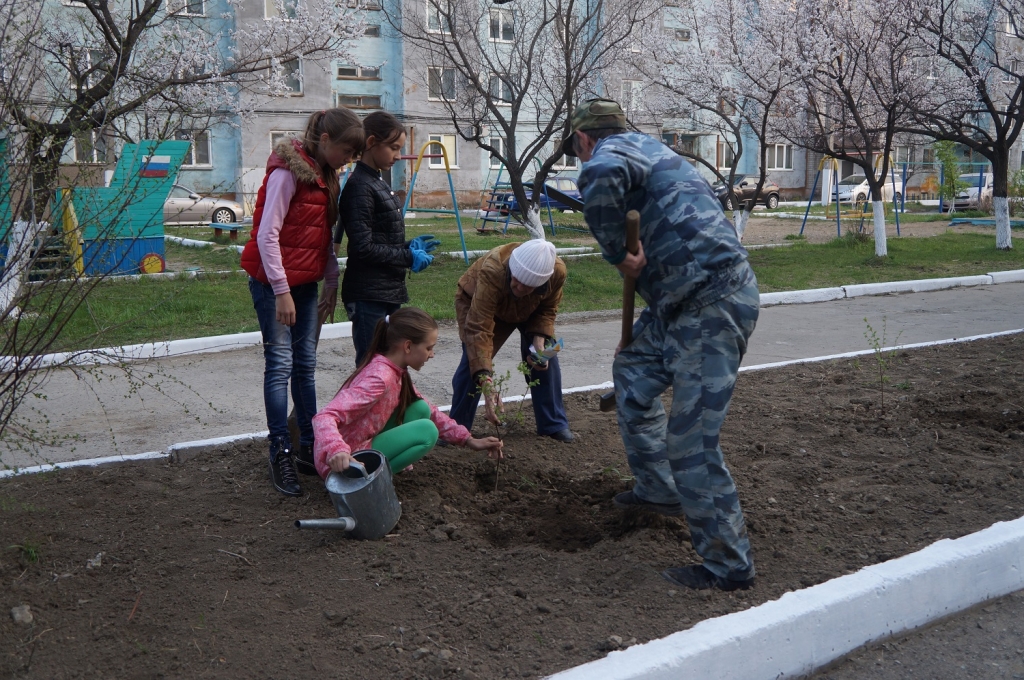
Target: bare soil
(761, 230)
(197, 571)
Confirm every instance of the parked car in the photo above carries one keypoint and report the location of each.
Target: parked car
(891, 192)
(184, 206)
(566, 185)
(743, 188)
(968, 198)
(848, 185)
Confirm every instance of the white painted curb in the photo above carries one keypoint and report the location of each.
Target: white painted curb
(806, 629)
(919, 286)
(1013, 276)
(798, 297)
(160, 350)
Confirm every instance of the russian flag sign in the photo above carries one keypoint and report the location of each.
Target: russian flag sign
(155, 166)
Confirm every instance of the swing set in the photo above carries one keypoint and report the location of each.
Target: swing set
(833, 188)
(451, 186)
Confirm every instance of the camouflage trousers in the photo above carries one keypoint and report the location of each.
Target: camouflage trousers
(677, 458)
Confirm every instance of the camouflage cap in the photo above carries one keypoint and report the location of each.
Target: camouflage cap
(593, 114)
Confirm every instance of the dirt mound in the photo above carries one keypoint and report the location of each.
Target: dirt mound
(182, 570)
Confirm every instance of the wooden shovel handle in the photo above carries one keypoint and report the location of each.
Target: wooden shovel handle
(629, 283)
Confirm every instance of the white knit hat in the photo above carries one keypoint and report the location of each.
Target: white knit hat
(533, 262)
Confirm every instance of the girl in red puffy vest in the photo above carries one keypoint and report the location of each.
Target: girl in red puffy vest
(290, 250)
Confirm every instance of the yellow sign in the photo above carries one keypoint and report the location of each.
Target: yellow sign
(151, 264)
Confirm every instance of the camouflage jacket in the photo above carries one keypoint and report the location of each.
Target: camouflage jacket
(694, 256)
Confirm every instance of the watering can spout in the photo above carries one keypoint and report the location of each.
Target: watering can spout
(338, 523)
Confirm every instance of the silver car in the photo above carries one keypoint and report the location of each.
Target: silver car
(184, 206)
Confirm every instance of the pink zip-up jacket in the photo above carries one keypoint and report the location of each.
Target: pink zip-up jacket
(360, 411)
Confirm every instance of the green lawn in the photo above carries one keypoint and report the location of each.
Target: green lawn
(160, 309)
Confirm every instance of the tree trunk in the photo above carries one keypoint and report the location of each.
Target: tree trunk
(878, 215)
(531, 220)
(999, 204)
(740, 218)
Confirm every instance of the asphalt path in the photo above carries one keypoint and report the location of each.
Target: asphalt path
(101, 411)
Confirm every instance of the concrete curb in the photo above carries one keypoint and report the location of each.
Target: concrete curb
(807, 629)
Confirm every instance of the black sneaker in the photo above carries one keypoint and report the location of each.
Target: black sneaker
(566, 436)
(304, 461)
(629, 500)
(282, 471)
(697, 577)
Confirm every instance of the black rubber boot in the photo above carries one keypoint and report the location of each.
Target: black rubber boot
(282, 471)
(304, 460)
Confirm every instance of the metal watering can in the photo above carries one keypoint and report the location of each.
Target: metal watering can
(364, 498)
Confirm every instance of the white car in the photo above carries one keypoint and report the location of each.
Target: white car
(891, 191)
(847, 186)
(968, 198)
(184, 206)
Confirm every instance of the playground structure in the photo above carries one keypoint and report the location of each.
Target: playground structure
(857, 210)
(451, 186)
(495, 202)
(113, 229)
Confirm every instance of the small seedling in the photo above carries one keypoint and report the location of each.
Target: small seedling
(883, 360)
(28, 550)
(497, 386)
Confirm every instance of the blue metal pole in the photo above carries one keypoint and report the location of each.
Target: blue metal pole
(809, 200)
(412, 183)
(903, 194)
(839, 228)
(458, 219)
(895, 208)
(942, 181)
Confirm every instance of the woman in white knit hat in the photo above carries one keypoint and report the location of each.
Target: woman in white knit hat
(514, 286)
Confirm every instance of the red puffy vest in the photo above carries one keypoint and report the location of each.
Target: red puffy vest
(305, 237)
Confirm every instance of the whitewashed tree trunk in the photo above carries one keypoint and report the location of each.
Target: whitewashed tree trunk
(740, 218)
(533, 224)
(878, 214)
(1002, 208)
(19, 259)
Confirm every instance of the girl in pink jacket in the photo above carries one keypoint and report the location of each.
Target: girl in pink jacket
(379, 408)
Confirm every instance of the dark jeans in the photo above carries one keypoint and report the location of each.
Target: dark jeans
(364, 315)
(289, 352)
(548, 409)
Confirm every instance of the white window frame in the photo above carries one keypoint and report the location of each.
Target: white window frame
(1012, 73)
(94, 136)
(565, 162)
(288, 75)
(372, 31)
(682, 34)
(899, 150)
(721, 157)
(362, 101)
(496, 83)
(362, 72)
(72, 3)
(505, 18)
(180, 8)
(632, 94)
(772, 160)
(453, 156)
(196, 137)
(271, 11)
(440, 71)
(493, 162)
(435, 22)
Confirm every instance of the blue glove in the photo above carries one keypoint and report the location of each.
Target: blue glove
(420, 260)
(427, 243)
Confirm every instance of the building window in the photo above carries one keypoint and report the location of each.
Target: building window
(499, 144)
(187, 8)
(501, 26)
(441, 83)
(902, 154)
(348, 72)
(448, 142)
(368, 5)
(682, 34)
(500, 90)
(632, 95)
(928, 155)
(1013, 72)
(291, 72)
(358, 101)
(780, 157)
(565, 162)
(90, 147)
(724, 155)
(199, 153)
(372, 31)
(440, 16)
(286, 9)
(726, 107)
(276, 137)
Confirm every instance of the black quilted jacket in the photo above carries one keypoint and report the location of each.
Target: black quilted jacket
(378, 255)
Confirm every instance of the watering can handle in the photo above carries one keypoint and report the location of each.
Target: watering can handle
(358, 466)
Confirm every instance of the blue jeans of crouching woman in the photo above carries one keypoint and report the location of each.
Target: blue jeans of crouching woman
(290, 354)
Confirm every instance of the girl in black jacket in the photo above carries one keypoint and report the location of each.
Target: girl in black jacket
(378, 254)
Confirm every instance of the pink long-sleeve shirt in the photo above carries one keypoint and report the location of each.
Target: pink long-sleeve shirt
(360, 411)
(280, 191)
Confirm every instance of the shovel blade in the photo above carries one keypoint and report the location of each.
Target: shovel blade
(608, 401)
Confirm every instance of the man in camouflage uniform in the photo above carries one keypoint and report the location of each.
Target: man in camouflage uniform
(702, 307)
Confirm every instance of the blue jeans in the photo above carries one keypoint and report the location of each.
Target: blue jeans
(548, 409)
(289, 352)
(364, 315)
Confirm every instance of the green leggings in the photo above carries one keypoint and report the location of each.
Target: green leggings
(405, 444)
